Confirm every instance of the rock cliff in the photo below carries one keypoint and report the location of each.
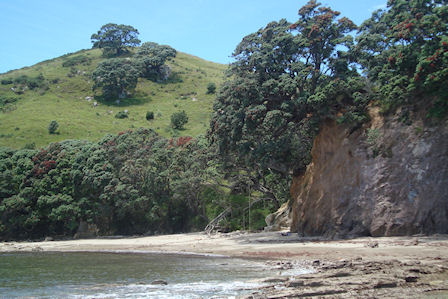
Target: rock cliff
(387, 178)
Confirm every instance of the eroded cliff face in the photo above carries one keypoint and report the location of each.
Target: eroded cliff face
(387, 178)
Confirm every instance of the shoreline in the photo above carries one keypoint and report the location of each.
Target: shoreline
(385, 266)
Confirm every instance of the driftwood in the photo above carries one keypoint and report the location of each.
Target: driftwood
(211, 226)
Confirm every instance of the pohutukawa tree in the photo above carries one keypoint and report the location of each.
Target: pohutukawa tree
(150, 59)
(285, 78)
(116, 77)
(115, 39)
(404, 49)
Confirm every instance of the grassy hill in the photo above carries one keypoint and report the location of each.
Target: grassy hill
(66, 83)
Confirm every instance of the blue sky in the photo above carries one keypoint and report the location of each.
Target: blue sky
(36, 30)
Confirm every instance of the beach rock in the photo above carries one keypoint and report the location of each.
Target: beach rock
(385, 284)
(391, 184)
(86, 231)
(275, 279)
(159, 282)
(295, 284)
(372, 244)
(47, 239)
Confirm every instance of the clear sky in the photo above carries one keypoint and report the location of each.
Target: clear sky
(36, 30)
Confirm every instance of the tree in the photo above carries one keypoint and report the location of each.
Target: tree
(179, 119)
(53, 127)
(114, 39)
(211, 88)
(150, 59)
(285, 78)
(116, 76)
(404, 48)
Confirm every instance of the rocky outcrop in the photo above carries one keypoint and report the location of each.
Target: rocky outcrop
(279, 220)
(387, 178)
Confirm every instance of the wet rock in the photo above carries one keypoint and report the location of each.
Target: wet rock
(295, 284)
(372, 244)
(159, 282)
(411, 278)
(314, 284)
(275, 279)
(316, 263)
(340, 274)
(385, 284)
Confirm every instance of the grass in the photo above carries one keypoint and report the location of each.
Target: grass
(65, 101)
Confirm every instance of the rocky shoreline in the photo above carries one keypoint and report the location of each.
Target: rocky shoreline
(360, 278)
(388, 267)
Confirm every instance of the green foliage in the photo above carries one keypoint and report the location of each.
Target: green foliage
(150, 60)
(76, 60)
(134, 182)
(6, 81)
(24, 82)
(53, 127)
(116, 77)
(149, 115)
(285, 79)
(211, 88)
(404, 50)
(121, 115)
(179, 120)
(7, 103)
(115, 39)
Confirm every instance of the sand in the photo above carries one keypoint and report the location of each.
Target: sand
(394, 267)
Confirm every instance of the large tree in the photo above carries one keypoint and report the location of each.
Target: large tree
(404, 50)
(285, 78)
(150, 59)
(114, 39)
(116, 76)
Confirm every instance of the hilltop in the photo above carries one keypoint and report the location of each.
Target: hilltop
(61, 90)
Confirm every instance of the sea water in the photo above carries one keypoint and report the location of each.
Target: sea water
(126, 275)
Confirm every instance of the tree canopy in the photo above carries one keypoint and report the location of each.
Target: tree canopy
(286, 76)
(150, 59)
(114, 39)
(404, 50)
(116, 77)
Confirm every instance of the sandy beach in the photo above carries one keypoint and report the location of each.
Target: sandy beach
(394, 267)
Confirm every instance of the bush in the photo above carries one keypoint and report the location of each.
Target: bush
(75, 60)
(179, 119)
(121, 114)
(211, 88)
(149, 115)
(32, 82)
(6, 81)
(53, 127)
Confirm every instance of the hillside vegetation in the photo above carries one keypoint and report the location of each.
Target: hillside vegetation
(59, 89)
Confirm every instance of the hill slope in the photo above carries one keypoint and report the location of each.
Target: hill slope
(65, 91)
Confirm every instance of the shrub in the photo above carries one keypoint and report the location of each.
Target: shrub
(6, 81)
(75, 60)
(211, 88)
(32, 82)
(30, 146)
(179, 119)
(53, 127)
(149, 115)
(121, 115)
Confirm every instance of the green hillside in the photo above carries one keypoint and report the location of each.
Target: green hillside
(61, 95)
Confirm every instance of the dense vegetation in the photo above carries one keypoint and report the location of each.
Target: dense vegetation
(286, 80)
